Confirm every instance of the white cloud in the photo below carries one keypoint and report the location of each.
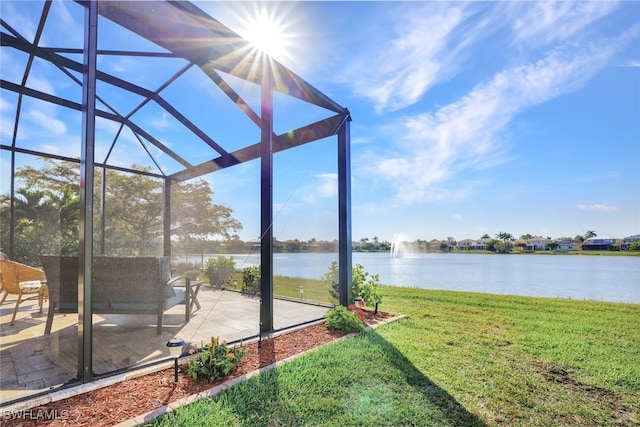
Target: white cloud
(422, 52)
(41, 84)
(161, 122)
(599, 207)
(551, 22)
(325, 186)
(5, 105)
(45, 123)
(458, 217)
(466, 134)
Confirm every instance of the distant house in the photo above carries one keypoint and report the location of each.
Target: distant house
(463, 245)
(537, 244)
(567, 245)
(598, 244)
(627, 241)
(434, 245)
(471, 245)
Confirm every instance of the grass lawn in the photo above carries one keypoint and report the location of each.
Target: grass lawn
(459, 359)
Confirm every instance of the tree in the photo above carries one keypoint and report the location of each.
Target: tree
(526, 236)
(47, 212)
(505, 237)
(485, 236)
(552, 245)
(46, 223)
(133, 214)
(589, 234)
(193, 213)
(503, 247)
(521, 245)
(293, 245)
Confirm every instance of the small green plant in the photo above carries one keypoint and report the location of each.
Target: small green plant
(331, 278)
(364, 286)
(219, 270)
(343, 319)
(215, 360)
(251, 280)
(193, 274)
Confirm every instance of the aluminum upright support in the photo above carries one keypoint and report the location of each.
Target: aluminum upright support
(344, 213)
(87, 157)
(166, 221)
(266, 200)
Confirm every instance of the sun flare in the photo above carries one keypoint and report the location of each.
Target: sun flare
(267, 33)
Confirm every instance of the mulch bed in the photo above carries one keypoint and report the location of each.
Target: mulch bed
(120, 402)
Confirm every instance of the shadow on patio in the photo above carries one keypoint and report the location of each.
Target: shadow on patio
(31, 361)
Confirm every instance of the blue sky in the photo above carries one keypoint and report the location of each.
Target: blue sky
(468, 118)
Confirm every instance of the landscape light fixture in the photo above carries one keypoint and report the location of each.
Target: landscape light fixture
(301, 292)
(175, 350)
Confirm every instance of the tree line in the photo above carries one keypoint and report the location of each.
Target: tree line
(128, 223)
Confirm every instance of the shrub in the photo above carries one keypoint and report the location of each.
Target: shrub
(193, 274)
(251, 280)
(182, 268)
(340, 318)
(219, 270)
(331, 278)
(215, 360)
(365, 286)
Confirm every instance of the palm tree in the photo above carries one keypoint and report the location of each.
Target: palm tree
(485, 236)
(589, 234)
(505, 237)
(46, 222)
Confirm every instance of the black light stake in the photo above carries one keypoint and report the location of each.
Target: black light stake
(175, 350)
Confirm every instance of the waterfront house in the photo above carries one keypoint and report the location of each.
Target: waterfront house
(537, 244)
(567, 245)
(599, 244)
(627, 241)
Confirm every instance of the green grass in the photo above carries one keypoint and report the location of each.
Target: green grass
(314, 290)
(459, 359)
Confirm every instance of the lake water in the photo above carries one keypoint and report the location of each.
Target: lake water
(580, 277)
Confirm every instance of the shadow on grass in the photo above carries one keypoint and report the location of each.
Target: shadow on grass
(443, 407)
(361, 381)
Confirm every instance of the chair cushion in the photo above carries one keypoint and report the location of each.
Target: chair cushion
(30, 286)
(169, 292)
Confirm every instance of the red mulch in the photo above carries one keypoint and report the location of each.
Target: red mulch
(119, 402)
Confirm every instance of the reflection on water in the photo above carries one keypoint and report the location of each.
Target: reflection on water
(589, 277)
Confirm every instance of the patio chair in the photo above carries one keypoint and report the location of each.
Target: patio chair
(21, 280)
(120, 286)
